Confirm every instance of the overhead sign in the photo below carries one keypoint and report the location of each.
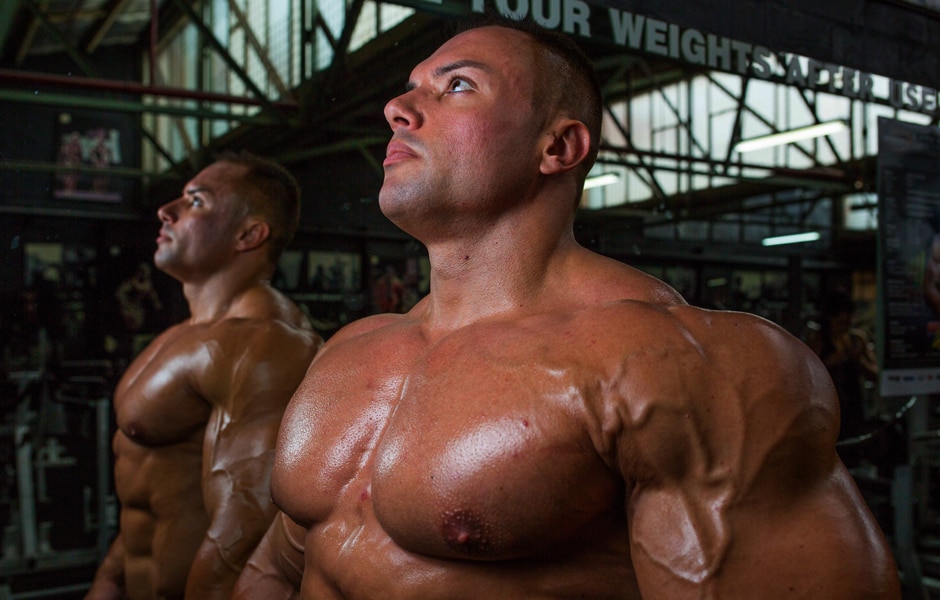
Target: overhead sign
(648, 35)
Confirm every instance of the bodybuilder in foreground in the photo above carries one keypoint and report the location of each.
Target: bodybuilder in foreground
(198, 411)
(549, 423)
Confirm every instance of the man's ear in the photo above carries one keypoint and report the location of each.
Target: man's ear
(569, 145)
(253, 233)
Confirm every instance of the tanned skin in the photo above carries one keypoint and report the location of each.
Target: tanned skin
(198, 410)
(549, 423)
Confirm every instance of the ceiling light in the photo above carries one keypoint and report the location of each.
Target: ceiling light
(793, 238)
(601, 180)
(788, 137)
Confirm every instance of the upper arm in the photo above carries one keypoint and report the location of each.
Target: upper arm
(252, 387)
(728, 451)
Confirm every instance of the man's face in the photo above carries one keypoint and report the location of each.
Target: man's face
(464, 134)
(199, 228)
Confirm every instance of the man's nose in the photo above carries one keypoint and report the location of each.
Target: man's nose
(167, 212)
(402, 112)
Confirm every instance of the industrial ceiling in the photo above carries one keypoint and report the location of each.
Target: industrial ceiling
(339, 110)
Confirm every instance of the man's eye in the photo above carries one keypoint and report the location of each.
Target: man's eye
(197, 202)
(459, 85)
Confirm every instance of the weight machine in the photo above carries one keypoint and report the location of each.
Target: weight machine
(57, 507)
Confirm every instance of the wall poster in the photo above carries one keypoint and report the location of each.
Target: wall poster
(87, 147)
(909, 257)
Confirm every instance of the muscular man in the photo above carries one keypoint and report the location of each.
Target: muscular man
(198, 411)
(549, 423)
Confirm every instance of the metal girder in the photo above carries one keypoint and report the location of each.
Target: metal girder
(631, 150)
(105, 25)
(128, 106)
(262, 54)
(223, 53)
(340, 46)
(41, 17)
(46, 167)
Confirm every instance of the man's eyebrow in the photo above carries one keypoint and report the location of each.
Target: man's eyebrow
(195, 190)
(460, 64)
(443, 70)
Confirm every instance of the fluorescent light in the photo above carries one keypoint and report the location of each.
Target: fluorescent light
(788, 137)
(793, 238)
(600, 180)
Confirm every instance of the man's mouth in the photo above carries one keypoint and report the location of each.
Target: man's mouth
(397, 152)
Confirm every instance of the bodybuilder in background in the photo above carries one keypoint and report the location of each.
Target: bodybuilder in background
(198, 410)
(549, 423)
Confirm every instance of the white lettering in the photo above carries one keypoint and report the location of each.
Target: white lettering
(693, 47)
(795, 72)
(913, 97)
(719, 51)
(656, 37)
(760, 64)
(896, 98)
(814, 70)
(930, 100)
(741, 50)
(576, 17)
(522, 9)
(552, 20)
(627, 28)
(674, 41)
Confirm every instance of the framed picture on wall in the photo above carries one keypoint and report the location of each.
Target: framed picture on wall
(87, 148)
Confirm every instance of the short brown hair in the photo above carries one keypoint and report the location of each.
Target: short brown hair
(275, 197)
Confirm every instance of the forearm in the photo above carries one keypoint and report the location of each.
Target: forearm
(109, 578)
(255, 583)
(275, 570)
(212, 576)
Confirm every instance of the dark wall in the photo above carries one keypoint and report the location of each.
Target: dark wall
(55, 132)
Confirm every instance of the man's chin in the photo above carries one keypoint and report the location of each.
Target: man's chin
(162, 262)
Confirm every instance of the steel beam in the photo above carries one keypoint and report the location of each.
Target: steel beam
(129, 106)
(131, 87)
(227, 58)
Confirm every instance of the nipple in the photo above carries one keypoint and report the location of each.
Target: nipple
(465, 532)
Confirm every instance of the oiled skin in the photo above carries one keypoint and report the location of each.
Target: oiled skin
(199, 409)
(197, 415)
(548, 423)
(561, 461)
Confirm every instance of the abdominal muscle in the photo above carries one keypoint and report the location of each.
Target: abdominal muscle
(163, 519)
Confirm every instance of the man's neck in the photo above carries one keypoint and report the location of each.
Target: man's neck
(218, 296)
(500, 273)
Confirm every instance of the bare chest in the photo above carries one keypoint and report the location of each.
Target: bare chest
(455, 450)
(157, 401)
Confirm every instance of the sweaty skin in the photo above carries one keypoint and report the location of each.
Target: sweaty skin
(548, 423)
(198, 411)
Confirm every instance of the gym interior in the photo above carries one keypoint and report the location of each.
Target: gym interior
(760, 156)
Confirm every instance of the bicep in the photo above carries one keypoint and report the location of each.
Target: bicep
(739, 426)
